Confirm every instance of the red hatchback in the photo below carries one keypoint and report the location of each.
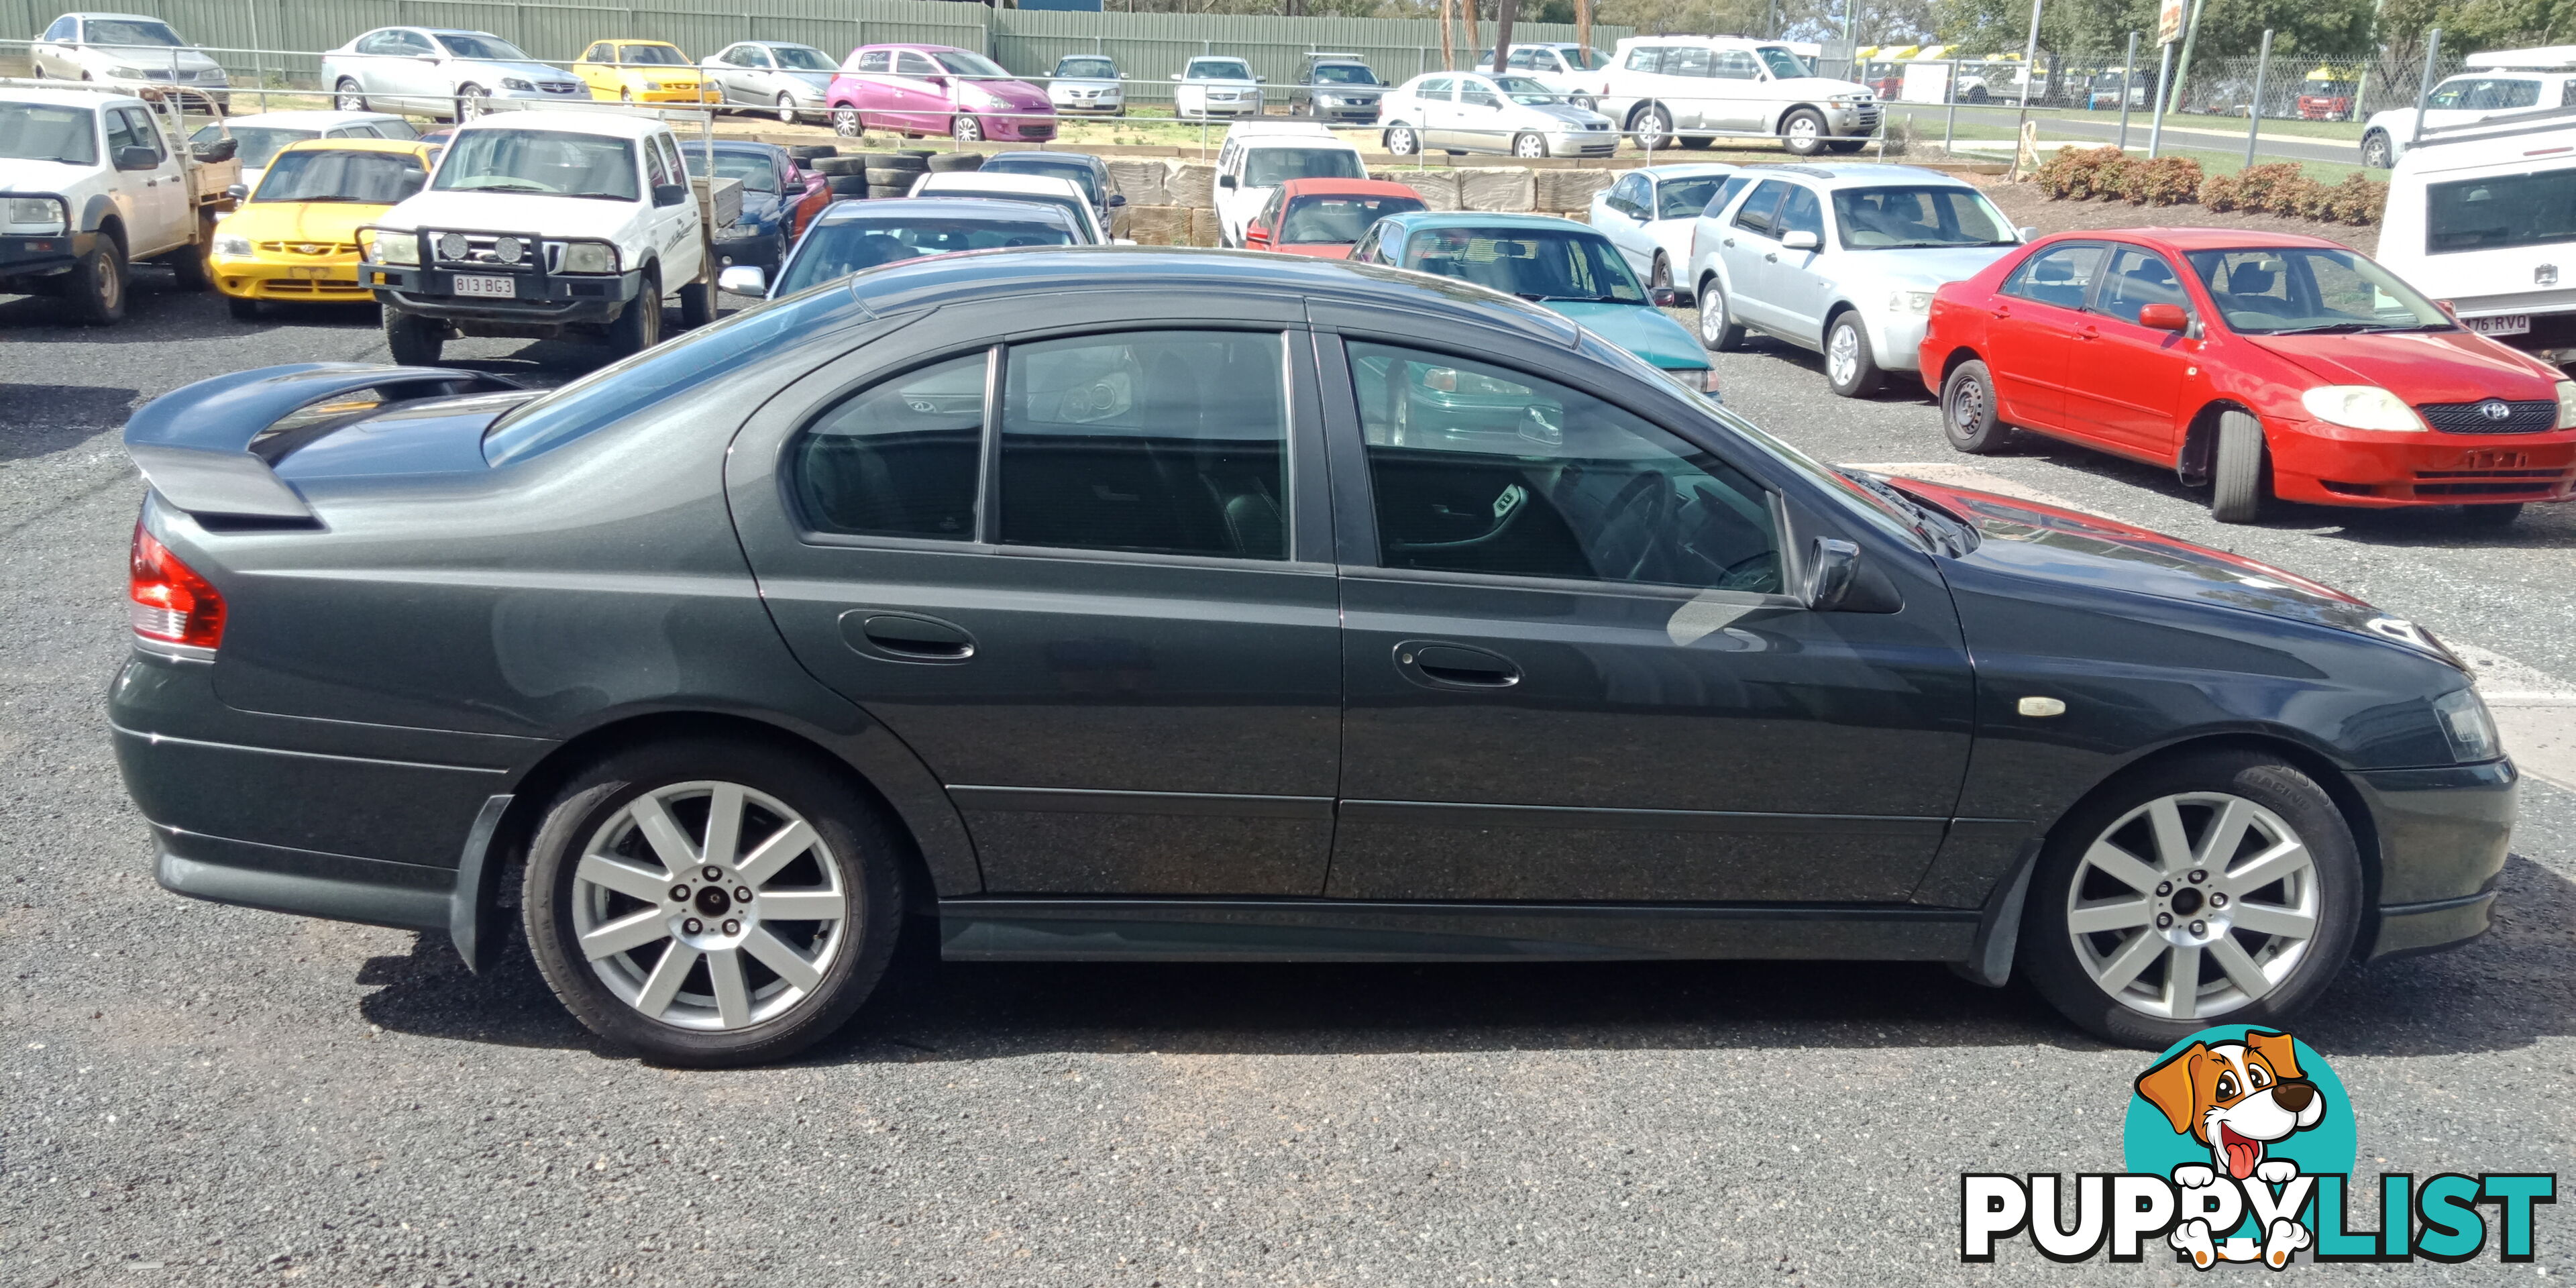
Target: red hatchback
(2287, 367)
(1325, 217)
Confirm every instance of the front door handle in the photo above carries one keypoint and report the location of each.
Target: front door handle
(905, 637)
(1773, 257)
(1441, 665)
(2088, 331)
(1728, 242)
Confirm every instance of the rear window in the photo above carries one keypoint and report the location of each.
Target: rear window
(1081, 176)
(1338, 220)
(840, 249)
(2507, 210)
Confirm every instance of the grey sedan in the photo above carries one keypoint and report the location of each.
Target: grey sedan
(779, 76)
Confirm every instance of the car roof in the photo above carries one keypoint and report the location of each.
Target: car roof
(611, 124)
(316, 118)
(412, 147)
(131, 17)
(977, 181)
(2191, 239)
(1423, 219)
(1254, 133)
(851, 212)
(1059, 158)
(1345, 188)
(917, 45)
(66, 97)
(1688, 170)
(776, 44)
(622, 41)
(1858, 174)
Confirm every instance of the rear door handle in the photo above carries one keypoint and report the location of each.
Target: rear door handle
(2088, 331)
(1729, 241)
(1443, 665)
(905, 637)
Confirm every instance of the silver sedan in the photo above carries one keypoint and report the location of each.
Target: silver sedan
(1468, 112)
(776, 75)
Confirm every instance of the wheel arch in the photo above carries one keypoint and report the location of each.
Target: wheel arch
(1780, 119)
(2199, 451)
(1958, 354)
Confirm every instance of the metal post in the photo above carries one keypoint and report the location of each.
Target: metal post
(2190, 38)
(2254, 114)
(2030, 57)
(2156, 128)
(1950, 114)
(2424, 90)
(2128, 78)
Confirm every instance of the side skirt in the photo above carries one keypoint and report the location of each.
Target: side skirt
(1333, 930)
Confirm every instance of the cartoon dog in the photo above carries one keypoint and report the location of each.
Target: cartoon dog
(2236, 1098)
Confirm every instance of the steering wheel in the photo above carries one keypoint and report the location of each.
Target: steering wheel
(1648, 489)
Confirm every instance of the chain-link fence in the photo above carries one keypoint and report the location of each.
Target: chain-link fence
(2294, 86)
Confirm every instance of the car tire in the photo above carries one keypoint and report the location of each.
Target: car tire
(1802, 132)
(890, 177)
(1402, 141)
(2378, 151)
(2138, 847)
(956, 162)
(966, 128)
(1528, 145)
(594, 828)
(95, 288)
(1718, 330)
(347, 96)
(787, 109)
(2490, 517)
(1846, 146)
(1586, 102)
(1700, 141)
(1968, 411)
(639, 326)
(1851, 370)
(2241, 478)
(242, 309)
(846, 122)
(471, 101)
(1660, 273)
(413, 340)
(1651, 127)
(191, 264)
(697, 304)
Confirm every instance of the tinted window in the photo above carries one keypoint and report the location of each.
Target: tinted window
(1343, 74)
(671, 369)
(1096, 68)
(1682, 198)
(1755, 214)
(132, 33)
(476, 45)
(2507, 210)
(1536, 263)
(2137, 280)
(395, 128)
(367, 178)
(966, 64)
(802, 58)
(2060, 275)
(1485, 470)
(908, 63)
(1268, 167)
(758, 171)
(1725, 193)
(651, 56)
(898, 459)
(1165, 441)
(139, 131)
(841, 248)
(1339, 219)
(1219, 69)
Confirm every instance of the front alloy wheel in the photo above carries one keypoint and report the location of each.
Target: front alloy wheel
(967, 129)
(787, 108)
(845, 122)
(1529, 145)
(471, 102)
(1803, 133)
(1400, 141)
(2377, 152)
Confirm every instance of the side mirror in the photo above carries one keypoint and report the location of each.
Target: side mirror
(1799, 240)
(136, 157)
(1225, 181)
(2026, 233)
(2164, 317)
(743, 279)
(1664, 297)
(238, 191)
(1117, 199)
(1256, 235)
(1832, 563)
(670, 194)
(1260, 80)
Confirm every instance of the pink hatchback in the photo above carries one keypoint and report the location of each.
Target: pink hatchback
(936, 89)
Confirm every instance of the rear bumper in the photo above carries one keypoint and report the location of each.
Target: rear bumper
(2443, 836)
(2329, 465)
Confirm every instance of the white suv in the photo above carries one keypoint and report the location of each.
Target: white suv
(2507, 80)
(1258, 156)
(1701, 88)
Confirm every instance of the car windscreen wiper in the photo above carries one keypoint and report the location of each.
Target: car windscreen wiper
(504, 186)
(2342, 328)
(1574, 299)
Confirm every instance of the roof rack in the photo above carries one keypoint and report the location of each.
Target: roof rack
(1312, 54)
(2546, 58)
(2546, 120)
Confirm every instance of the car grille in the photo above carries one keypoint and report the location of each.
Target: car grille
(308, 248)
(558, 87)
(1865, 119)
(2527, 417)
(2488, 483)
(485, 250)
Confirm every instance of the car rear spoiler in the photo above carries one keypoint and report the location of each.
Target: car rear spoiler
(193, 443)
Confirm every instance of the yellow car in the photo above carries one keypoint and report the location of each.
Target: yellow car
(644, 71)
(295, 237)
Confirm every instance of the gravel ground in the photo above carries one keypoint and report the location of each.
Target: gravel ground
(205, 1095)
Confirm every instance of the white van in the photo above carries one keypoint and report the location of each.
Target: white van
(2486, 222)
(2506, 80)
(1258, 156)
(1702, 88)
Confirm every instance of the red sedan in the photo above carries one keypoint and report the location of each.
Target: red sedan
(2261, 367)
(1325, 217)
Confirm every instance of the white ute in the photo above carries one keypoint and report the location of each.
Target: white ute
(542, 224)
(92, 181)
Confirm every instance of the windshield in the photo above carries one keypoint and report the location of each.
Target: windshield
(1337, 220)
(477, 45)
(1092, 68)
(966, 64)
(840, 249)
(368, 178)
(126, 31)
(546, 161)
(1218, 69)
(1682, 198)
(1583, 60)
(2282, 292)
(2507, 210)
(1917, 217)
(1524, 90)
(1270, 167)
(650, 56)
(43, 132)
(1343, 74)
(1783, 64)
(1081, 176)
(802, 58)
(756, 171)
(255, 144)
(1534, 263)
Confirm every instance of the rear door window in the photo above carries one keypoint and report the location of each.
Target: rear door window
(1755, 214)
(2138, 278)
(899, 459)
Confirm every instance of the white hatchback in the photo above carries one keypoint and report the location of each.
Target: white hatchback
(1212, 87)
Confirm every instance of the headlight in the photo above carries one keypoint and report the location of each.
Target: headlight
(2360, 407)
(213, 76)
(589, 257)
(2567, 404)
(44, 217)
(129, 73)
(651, 85)
(397, 248)
(1854, 100)
(1909, 301)
(232, 244)
(2466, 723)
(1698, 380)
(513, 82)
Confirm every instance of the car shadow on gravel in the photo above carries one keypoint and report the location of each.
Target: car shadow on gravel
(2514, 988)
(39, 420)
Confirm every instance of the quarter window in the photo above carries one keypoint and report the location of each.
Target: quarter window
(1480, 469)
(874, 60)
(2060, 275)
(1173, 442)
(897, 460)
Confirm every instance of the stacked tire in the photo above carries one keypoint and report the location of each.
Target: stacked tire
(847, 175)
(892, 174)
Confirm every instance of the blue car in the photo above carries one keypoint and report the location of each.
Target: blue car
(1557, 264)
(774, 190)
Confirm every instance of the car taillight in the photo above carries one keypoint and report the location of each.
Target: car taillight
(168, 601)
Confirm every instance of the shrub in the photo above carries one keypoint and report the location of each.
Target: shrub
(2221, 192)
(2357, 201)
(2257, 185)
(2079, 174)
(2164, 181)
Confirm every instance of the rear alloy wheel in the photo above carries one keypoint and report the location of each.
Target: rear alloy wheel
(1401, 141)
(845, 122)
(2241, 480)
(967, 129)
(1718, 332)
(1850, 369)
(1968, 411)
(1526, 144)
(2220, 889)
(1653, 128)
(711, 905)
(1803, 132)
(787, 108)
(348, 97)
(2378, 152)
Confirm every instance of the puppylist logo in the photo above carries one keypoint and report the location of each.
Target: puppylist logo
(2240, 1146)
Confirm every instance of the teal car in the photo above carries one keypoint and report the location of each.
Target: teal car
(1558, 264)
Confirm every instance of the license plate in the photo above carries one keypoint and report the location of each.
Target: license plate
(2494, 460)
(500, 288)
(308, 272)
(2504, 324)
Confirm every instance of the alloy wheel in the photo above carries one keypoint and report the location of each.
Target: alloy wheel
(1804, 131)
(2193, 905)
(349, 99)
(470, 103)
(710, 906)
(1842, 356)
(845, 122)
(1651, 129)
(1529, 145)
(787, 109)
(967, 130)
(1712, 315)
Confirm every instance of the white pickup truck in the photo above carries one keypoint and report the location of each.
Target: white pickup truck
(94, 181)
(543, 224)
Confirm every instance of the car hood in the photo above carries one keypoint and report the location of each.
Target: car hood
(1204, 83)
(43, 176)
(1012, 93)
(2418, 366)
(1560, 113)
(334, 222)
(512, 212)
(1640, 329)
(2030, 539)
(1813, 87)
(1925, 267)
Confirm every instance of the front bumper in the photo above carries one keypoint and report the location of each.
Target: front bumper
(693, 95)
(2443, 836)
(1850, 120)
(1357, 113)
(1104, 105)
(764, 250)
(1896, 339)
(2330, 465)
(1016, 126)
(1583, 143)
(542, 298)
(28, 256)
(321, 279)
